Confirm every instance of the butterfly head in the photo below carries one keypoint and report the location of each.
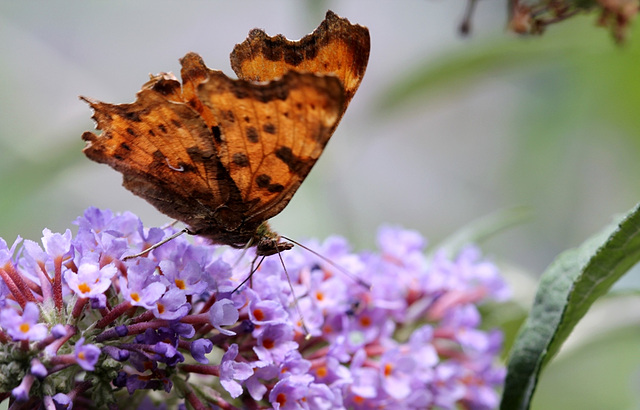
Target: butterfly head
(268, 242)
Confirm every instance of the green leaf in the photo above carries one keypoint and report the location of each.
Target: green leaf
(566, 291)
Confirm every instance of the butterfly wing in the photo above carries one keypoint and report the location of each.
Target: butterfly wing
(165, 152)
(270, 135)
(336, 47)
(224, 155)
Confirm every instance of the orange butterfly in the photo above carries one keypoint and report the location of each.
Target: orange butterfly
(222, 155)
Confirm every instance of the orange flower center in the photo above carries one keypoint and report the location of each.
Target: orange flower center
(322, 371)
(268, 343)
(281, 399)
(365, 321)
(258, 314)
(84, 288)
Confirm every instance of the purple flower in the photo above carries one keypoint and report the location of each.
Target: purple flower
(147, 312)
(63, 401)
(25, 326)
(6, 253)
(293, 363)
(299, 391)
(230, 371)
(261, 371)
(263, 312)
(223, 313)
(142, 287)
(21, 393)
(95, 219)
(274, 342)
(90, 280)
(189, 279)
(59, 330)
(397, 373)
(38, 369)
(117, 354)
(332, 373)
(167, 353)
(448, 388)
(402, 247)
(86, 355)
(172, 305)
(55, 244)
(199, 349)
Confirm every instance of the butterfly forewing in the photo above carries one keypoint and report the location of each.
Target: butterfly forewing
(336, 47)
(270, 135)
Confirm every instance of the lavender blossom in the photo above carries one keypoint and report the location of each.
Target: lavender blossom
(79, 322)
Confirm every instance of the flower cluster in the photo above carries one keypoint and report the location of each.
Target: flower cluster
(82, 325)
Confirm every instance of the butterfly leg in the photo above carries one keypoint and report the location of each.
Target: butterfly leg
(253, 270)
(155, 245)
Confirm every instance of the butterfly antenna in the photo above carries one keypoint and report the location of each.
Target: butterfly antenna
(332, 263)
(250, 273)
(295, 298)
(155, 245)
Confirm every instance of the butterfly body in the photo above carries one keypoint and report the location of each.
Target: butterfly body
(223, 155)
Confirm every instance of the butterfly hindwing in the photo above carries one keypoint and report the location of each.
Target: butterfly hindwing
(148, 141)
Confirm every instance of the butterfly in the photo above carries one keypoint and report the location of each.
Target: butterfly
(224, 155)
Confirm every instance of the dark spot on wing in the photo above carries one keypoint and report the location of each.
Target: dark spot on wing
(252, 134)
(275, 188)
(122, 151)
(269, 128)
(131, 116)
(176, 123)
(228, 115)
(240, 159)
(197, 155)
(153, 134)
(295, 164)
(162, 128)
(131, 131)
(263, 180)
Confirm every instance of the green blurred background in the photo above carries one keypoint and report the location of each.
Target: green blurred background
(443, 131)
